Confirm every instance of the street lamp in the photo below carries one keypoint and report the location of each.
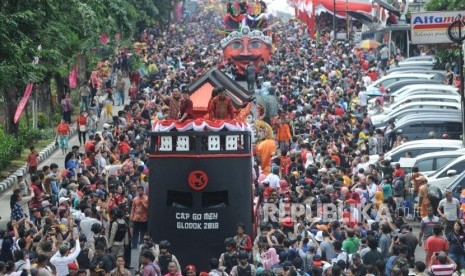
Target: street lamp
(456, 33)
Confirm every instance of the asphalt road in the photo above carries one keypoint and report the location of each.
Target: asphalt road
(58, 158)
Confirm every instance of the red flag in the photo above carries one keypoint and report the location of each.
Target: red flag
(23, 102)
(104, 38)
(73, 78)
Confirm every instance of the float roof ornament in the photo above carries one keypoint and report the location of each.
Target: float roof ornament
(246, 32)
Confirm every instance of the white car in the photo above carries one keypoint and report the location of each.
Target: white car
(401, 102)
(428, 163)
(421, 89)
(388, 114)
(419, 147)
(389, 79)
(448, 173)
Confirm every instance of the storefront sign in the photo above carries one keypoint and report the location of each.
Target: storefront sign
(431, 27)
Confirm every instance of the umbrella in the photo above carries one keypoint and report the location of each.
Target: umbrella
(368, 44)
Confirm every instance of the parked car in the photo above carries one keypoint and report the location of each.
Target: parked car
(447, 173)
(428, 163)
(426, 108)
(425, 89)
(416, 148)
(439, 74)
(418, 126)
(400, 102)
(389, 79)
(400, 84)
(457, 185)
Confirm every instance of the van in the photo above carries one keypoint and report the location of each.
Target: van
(418, 126)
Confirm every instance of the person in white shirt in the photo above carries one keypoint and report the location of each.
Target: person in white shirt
(273, 178)
(61, 259)
(86, 226)
(449, 211)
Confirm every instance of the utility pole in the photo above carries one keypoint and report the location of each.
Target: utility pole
(456, 33)
(334, 20)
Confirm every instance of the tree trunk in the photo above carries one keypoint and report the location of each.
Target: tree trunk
(61, 90)
(11, 93)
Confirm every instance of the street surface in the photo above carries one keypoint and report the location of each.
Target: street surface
(58, 158)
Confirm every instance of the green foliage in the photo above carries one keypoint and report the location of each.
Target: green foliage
(9, 149)
(445, 5)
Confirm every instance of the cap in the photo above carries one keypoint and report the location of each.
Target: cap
(105, 126)
(190, 267)
(323, 170)
(287, 222)
(63, 199)
(46, 203)
(319, 236)
(73, 266)
(317, 260)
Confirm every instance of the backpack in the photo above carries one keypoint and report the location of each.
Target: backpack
(100, 241)
(434, 193)
(247, 271)
(399, 187)
(400, 262)
(230, 261)
(121, 231)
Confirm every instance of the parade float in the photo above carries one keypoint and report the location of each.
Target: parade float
(249, 37)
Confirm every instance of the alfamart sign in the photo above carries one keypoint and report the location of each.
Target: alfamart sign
(431, 27)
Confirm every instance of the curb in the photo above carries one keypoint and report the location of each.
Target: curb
(44, 154)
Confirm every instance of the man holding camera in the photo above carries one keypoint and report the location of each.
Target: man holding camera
(441, 264)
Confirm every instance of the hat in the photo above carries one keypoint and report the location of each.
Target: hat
(73, 266)
(323, 170)
(73, 186)
(317, 260)
(105, 126)
(190, 267)
(319, 236)
(329, 188)
(100, 192)
(46, 203)
(287, 222)
(325, 267)
(63, 199)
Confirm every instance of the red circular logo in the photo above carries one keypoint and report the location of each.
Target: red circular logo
(198, 180)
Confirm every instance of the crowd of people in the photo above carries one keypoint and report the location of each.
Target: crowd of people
(84, 216)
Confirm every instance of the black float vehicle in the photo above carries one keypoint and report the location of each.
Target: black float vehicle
(200, 187)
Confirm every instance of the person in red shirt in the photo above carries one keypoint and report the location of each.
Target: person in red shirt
(89, 146)
(398, 172)
(39, 193)
(63, 132)
(123, 146)
(338, 111)
(32, 161)
(82, 127)
(435, 243)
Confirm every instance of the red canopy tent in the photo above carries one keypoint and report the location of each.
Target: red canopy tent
(305, 9)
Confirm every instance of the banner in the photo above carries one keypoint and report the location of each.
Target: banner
(73, 78)
(22, 104)
(431, 27)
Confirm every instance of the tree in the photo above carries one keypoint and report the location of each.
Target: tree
(65, 30)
